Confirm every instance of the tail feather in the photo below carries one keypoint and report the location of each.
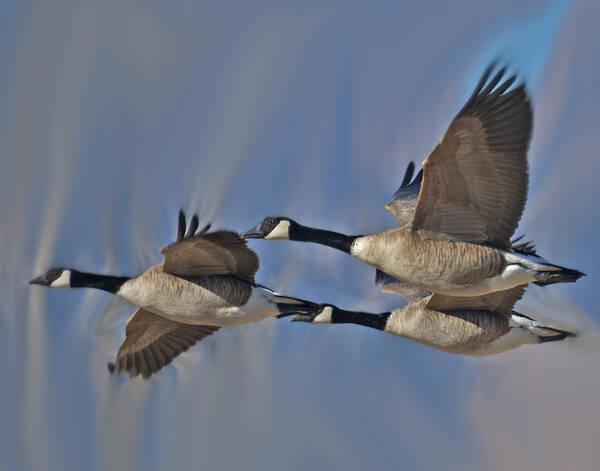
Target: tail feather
(287, 305)
(557, 274)
(555, 334)
(545, 273)
(541, 331)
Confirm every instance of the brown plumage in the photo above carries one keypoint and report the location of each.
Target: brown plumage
(405, 199)
(214, 253)
(475, 180)
(429, 264)
(462, 331)
(499, 302)
(152, 341)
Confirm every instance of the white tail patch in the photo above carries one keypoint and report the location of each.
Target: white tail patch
(536, 327)
(513, 275)
(275, 297)
(260, 306)
(514, 338)
(532, 262)
(522, 321)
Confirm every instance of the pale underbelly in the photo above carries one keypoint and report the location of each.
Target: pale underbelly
(460, 332)
(190, 311)
(511, 277)
(513, 339)
(223, 317)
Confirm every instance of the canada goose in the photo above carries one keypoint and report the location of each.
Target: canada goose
(402, 206)
(205, 282)
(472, 195)
(476, 325)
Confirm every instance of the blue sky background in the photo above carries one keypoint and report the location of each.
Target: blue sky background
(115, 114)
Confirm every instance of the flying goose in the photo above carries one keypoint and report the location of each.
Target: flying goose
(472, 195)
(475, 325)
(205, 282)
(402, 206)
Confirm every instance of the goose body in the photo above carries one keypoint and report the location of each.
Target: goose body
(206, 282)
(457, 216)
(453, 268)
(218, 300)
(465, 331)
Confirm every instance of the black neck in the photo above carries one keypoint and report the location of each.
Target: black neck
(375, 321)
(91, 280)
(319, 236)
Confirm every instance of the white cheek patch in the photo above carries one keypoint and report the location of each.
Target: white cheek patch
(280, 232)
(324, 317)
(63, 281)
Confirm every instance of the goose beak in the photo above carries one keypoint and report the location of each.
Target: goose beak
(40, 280)
(254, 233)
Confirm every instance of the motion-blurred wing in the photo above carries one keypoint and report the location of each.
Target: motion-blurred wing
(209, 253)
(475, 180)
(152, 341)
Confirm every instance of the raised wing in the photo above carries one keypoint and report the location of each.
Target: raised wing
(405, 199)
(152, 341)
(209, 253)
(391, 285)
(475, 180)
(500, 302)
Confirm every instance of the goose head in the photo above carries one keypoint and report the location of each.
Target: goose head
(54, 278)
(272, 228)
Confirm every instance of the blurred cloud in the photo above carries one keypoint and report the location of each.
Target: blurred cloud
(526, 43)
(537, 409)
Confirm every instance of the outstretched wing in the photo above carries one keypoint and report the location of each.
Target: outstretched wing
(475, 180)
(500, 302)
(209, 253)
(152, 341)
(405, 199)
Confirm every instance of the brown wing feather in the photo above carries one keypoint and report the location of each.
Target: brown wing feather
(475, 180)
(152, 341)
(405, 199)
(390, 285)
(210, 253)
(500, 302)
